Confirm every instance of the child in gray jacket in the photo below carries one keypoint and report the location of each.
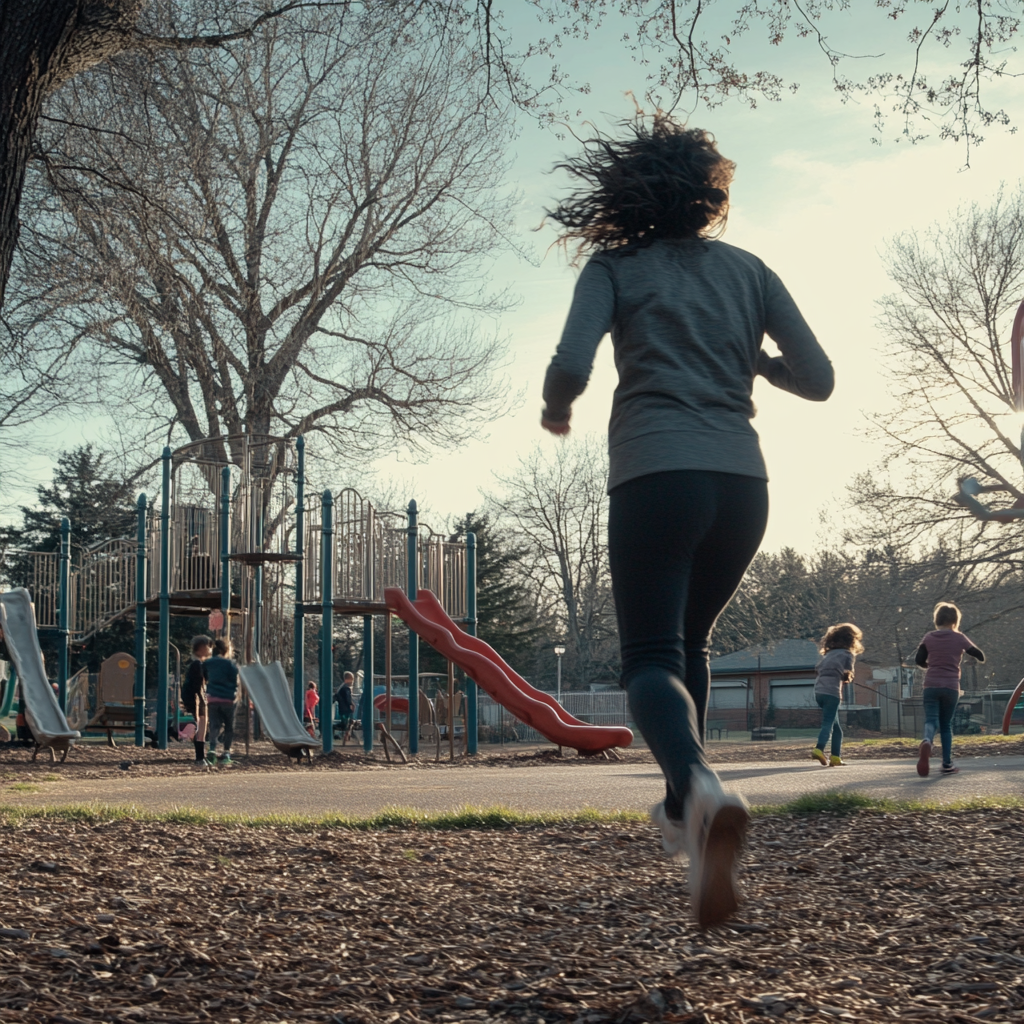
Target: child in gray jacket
(839, 648)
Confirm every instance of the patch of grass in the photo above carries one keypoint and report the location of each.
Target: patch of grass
(839, 802)
(485, 818)
(909, 741)
(23, 787)
(481, 818)
(51, 778)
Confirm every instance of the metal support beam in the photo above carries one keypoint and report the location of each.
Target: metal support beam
(366, 713)
(327, 623)
(412, 588)
(472, 732)
(63, 615)
(140, 625)
(163, 648)
(225, 549)
(299, 646)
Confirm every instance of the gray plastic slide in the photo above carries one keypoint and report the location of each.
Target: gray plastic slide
(45, 718)
(271, 695)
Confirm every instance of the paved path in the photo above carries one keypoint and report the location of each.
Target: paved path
(548, 788)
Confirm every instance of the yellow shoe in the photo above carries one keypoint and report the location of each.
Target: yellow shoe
(819, 755)
(834, 760)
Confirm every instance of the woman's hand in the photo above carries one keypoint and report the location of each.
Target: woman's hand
(557, 427)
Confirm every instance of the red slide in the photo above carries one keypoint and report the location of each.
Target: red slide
(485, 666)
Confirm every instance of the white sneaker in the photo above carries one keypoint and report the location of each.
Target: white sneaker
(673, 833)
(716, 822)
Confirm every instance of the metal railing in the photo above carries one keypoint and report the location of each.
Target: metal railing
(371, 554)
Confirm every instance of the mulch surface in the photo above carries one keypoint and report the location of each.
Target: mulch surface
(97, 761)
(870, 917)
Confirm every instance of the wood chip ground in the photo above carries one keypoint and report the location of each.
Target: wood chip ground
(870, 917)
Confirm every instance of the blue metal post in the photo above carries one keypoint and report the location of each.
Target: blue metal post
(140, 626)
(299, 658)
(258, 625)
(163, 652)
(327, 623)
(366, 713)
(471, 688)
(225, 548)
(412, 588)
(64, 633)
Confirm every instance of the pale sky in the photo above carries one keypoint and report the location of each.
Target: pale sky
(813, 197)
(815, 200)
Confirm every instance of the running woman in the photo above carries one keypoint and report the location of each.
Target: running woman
(940, 654)
(688, 488)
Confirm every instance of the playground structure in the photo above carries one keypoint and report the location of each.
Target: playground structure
(45, 715)
(235, 539)
(970, 487)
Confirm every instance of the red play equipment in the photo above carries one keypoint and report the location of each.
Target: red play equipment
(426, 617)
(1010, 705)
(970, 488)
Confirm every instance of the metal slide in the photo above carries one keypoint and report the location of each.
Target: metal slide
(271, 695)
(45, 718)
(486, 667)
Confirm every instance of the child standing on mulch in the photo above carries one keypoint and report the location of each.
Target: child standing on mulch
(193, 695)
(312, 699)
(940, 654)
(688, 491)
(839, 648)
(221, 675)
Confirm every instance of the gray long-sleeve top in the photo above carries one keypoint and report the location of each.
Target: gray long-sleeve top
(687, 319)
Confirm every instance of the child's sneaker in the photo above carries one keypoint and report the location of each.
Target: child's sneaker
(819, 755)
(211, 758)
(924, 752)
(716, 822)
(673, 833)
(949, 769)
(224, 760)
(835, 761)
(200, 765)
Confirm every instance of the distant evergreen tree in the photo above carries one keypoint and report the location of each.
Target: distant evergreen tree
(99, 505)
(505, 609)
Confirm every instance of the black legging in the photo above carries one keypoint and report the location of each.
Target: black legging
(678, 545)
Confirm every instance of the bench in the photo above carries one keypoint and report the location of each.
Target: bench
(718, 727)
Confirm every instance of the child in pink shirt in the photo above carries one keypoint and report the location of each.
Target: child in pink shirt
(312, 699)
(940, 653)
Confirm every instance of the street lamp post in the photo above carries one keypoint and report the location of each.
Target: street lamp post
(559, 651)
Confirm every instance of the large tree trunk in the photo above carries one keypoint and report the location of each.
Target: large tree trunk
(42, 44)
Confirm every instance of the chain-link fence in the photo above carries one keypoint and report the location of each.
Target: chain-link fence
(498, 725)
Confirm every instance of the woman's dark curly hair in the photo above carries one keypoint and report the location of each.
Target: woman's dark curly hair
(664, 181)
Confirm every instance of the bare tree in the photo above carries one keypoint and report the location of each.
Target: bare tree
(45, 43)
(947, 331)
(556, 506)
(687, 49)
(286, 236)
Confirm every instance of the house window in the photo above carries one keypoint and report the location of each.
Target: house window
(727, 693)
(792, 693)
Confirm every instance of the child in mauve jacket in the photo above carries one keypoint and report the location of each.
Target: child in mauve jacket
(940, 653)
